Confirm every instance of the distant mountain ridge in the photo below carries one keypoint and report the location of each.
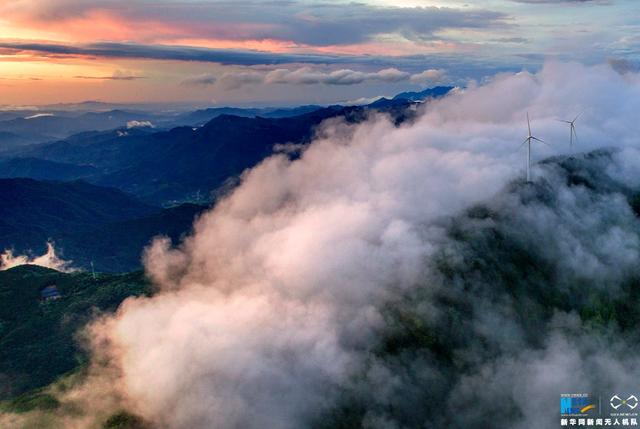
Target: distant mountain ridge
(410, 97)
(47, 123)
(167, 167)
(435, 92)
(202, 116)
(53, 126)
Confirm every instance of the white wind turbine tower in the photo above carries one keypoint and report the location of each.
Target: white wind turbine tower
(527, 141)
(572, 129)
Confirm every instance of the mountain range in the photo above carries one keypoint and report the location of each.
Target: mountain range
(102, 195)
(186, 163)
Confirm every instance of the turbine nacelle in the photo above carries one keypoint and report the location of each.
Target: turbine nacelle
(572, 129)
(527, 141)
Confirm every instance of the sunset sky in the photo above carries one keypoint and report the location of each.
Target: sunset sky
(286, 52)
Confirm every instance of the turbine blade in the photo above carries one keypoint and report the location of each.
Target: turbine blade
(575, 134)
(562, 120)
(523, 143)
(528, 123)
(541, 141)
(577, 116)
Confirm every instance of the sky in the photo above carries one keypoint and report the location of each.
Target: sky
(280, 52)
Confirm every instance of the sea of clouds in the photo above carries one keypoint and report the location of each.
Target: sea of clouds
(271, 314)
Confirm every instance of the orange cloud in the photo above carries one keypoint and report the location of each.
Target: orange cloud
(95, 25)
(104, 23)
(246, 24)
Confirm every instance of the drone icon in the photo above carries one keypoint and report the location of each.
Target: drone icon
(616, 402)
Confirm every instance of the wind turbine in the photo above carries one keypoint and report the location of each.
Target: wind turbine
(527, 141)
(572, 129)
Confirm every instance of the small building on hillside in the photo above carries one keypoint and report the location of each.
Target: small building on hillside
(50, 292)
